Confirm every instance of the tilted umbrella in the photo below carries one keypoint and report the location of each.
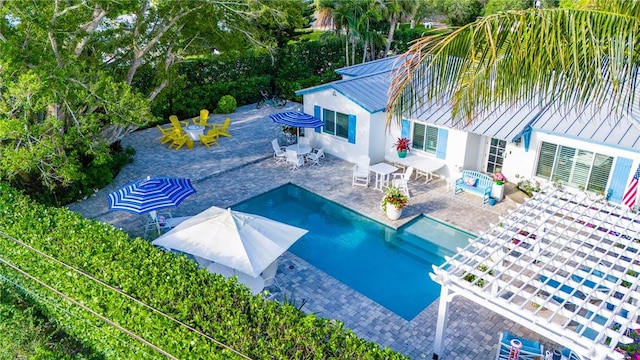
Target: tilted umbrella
(241, 241)
(297, 119)
(151, 194)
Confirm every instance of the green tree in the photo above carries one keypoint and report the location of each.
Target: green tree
(576, 57)
(457, 12)
(395, 11)
(67, 70)
(495, 6)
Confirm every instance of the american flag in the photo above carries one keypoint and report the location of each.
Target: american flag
(629, 197)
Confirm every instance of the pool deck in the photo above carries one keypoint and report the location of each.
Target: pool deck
(242, 166)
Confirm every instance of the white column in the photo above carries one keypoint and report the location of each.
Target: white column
(443, 315)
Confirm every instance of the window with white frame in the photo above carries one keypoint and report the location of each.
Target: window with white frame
(335, 123)
(574, 167)
(425, 137)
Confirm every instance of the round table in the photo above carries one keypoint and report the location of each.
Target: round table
(301, 149)
(194, 131)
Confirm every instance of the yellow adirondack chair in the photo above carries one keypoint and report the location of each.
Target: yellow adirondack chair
(180, 140)
(203, 119)
(209, 138)
(222, 129)
(177, 124)
(166, 134)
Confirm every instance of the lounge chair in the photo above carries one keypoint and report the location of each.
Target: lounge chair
(180, 140)
(166, 134)
(177, 124)
(203, 119)
(361, 171)
(530, 349)
(278, 153)
(209, 138)
(223, 129)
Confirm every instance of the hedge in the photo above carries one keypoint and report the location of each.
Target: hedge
(252, 325)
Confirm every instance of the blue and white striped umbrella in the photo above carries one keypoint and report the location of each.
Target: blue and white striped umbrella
(297, 119)
(151, 194)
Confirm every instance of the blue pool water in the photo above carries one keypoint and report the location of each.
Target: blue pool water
(390, 267)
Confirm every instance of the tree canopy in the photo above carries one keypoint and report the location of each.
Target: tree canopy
(575, 57)
(67, 69)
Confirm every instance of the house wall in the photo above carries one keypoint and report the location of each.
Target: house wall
(520, 165)
(334, 145)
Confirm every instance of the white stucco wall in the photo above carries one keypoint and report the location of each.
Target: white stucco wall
(334, 145)
(520, 165)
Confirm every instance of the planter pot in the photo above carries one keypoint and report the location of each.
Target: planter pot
(497, 192)
(492, 201)
(393, 212)
(402, 153)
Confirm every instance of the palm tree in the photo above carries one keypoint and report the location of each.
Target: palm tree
(394, 11)
(584, 57)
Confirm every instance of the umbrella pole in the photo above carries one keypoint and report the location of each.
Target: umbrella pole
(298, 137)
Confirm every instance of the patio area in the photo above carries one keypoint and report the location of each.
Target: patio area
(243, 166)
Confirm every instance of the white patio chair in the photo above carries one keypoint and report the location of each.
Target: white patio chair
(401, 180)
(162, 222)
(294, 160)
(361, 171)
(314, 157)
(278, 153)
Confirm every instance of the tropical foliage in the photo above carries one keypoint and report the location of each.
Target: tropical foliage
(363, 22)
(68, 70)
(584, 57)
(395, 197)
(167, 283)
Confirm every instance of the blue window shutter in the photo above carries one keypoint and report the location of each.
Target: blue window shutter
(316, 112)
(352, 129)
(406, 128)
(619, 179)
(441, 150)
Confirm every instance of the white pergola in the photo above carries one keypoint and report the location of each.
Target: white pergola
(563, 265)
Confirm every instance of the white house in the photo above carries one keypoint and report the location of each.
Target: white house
(577, 148)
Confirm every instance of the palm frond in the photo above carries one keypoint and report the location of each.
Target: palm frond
(569, 57)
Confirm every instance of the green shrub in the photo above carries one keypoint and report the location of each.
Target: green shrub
(28, 334)
(226, 105)
(168, 282)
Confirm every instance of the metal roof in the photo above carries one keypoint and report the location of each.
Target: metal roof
(508, 121)
(368, 91)
(370, 85)
(561, 265)
(370, 67)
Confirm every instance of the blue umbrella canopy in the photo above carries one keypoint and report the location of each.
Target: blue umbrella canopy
(151, 194)
(297, 119)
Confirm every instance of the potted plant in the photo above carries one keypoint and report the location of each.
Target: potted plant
(497, 190)
(402, 145)
(393, 202)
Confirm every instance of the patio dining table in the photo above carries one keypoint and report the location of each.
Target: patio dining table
(301, 149)
(383, 172)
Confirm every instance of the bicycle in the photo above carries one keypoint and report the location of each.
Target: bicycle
(273, 100)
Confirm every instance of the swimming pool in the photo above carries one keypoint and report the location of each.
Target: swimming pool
(390, 267)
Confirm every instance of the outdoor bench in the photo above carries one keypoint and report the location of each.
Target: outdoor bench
(474, 182)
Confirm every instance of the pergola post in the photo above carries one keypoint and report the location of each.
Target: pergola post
(443, 316)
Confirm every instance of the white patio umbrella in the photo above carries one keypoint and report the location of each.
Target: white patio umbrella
(241, 241)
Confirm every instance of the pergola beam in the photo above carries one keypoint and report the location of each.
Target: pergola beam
(558, 251)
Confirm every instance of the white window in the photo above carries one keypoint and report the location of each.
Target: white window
(425, 137)
(574, 167)
(335, 123)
